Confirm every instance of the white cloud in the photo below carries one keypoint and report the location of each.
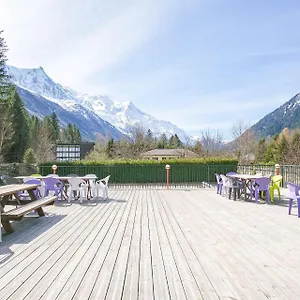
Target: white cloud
(70, 46)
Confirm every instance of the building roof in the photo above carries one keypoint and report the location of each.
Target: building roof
(169, 152)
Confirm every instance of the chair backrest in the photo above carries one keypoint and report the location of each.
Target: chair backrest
(27, 178)
(293, 189)
(277, 180)
(33, 181)
(263, 183)
(52, 175)
(91, 175)
(76, 182)
(104, 181)
(72, 175)
(219, 180)
(224, 180)
(52, 183)
(231, 173)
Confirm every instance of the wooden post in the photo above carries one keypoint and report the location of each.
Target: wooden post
(167, 175)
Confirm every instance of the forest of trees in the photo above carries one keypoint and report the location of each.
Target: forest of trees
(24, 137)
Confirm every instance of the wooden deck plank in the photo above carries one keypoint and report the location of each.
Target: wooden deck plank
(191, 288)
(154, 244)
(87, 283)
(63, 268)
(146, 275)
(262, 252)
(203, 241)
(44, 256)
(105, 274)
(34, 248)
(161, 287)
(131, 280)
(175, 284)
(117, 278)
(237, 261)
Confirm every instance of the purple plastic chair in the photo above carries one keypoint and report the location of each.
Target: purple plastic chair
(25, 195)
(231, 173)
(53, 184)
(293, 195)
(219, 183)
(262, 185)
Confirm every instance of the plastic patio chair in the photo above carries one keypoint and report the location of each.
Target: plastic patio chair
(262, 185)
(276, 183)
(293, 195)
(55, 185)
(37, 192)
(78, 185)
(230, 186)
(102, 184)
(219, 183)
(91, 184)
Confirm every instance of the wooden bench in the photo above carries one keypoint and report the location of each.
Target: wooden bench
(19, 212)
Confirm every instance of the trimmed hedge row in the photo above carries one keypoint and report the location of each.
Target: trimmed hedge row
(147, 171)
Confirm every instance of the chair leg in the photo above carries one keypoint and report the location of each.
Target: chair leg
(290, 206)
(298, 206)
(272, 195)
(256, 192)
(105, 192)
(267, 195)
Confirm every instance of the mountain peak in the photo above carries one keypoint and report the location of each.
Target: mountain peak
(39, 82)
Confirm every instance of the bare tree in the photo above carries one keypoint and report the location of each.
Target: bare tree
(244, 141)
(98, 152)
(212, 142)
(44, 149)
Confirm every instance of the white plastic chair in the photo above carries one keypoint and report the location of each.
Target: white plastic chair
(77, 185)
(102, 184)
(91, 183)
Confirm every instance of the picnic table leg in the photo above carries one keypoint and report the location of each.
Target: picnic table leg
(40, 212)
(6, 225)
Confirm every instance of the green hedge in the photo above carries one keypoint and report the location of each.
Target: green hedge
(147, 171)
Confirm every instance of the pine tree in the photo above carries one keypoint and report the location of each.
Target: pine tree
(55, 126)
(110, 148)
(6, 120)
(4, 78)
(71, 134)
(20, 127)
(163, 141)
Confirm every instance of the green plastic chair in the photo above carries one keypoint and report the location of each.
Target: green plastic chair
(276, 183)
(35, 175)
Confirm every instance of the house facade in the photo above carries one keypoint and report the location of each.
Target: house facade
(165, 154)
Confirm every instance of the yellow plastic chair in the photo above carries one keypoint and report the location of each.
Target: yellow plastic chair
(276, 183)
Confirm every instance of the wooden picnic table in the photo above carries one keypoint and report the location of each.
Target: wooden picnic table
(6, 193)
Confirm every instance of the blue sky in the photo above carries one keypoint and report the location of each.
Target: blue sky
(198, 64)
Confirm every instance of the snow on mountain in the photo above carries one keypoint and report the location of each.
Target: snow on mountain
(122, 115)
(37, 81)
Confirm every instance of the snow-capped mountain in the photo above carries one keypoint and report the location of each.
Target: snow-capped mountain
(121, 115)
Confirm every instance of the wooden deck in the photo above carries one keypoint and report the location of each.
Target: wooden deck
(154, 244)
